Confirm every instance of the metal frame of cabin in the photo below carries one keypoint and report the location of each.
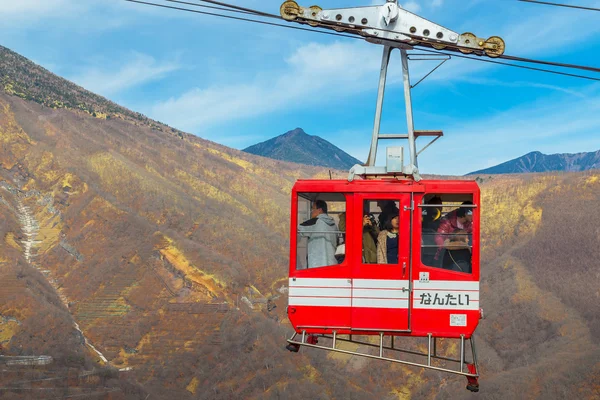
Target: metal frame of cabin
(430, 355)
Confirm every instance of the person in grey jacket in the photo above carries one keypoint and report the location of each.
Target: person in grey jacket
(322, 236)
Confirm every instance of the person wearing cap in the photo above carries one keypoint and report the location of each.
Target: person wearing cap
(431, 217)
(453, 236)
(388, 211)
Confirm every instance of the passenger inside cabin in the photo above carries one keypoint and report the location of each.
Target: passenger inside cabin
(370, 237)
(388, 209)
(322, 236)
(454, 239)
(387, 242)
(431, 217)
(340, 251)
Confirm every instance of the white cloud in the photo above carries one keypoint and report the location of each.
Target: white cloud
(538, 33)
(12, 8)
(411, 6)
(316, 72)
(78, 15)
(549, 127)
(522, 84)
(313, 74)
(138, 70)
(30, 11)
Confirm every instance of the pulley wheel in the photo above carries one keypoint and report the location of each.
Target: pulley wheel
(339, 29)
(438, 46)
(314, 10)
(289, 10)
(467, 38)
(494, 47)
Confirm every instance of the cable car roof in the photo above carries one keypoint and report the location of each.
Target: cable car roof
(386, 185)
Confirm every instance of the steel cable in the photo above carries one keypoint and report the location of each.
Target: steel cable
(236, 9)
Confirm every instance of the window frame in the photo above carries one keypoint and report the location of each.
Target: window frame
(296, 198)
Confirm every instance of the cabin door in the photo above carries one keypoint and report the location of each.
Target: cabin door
(380, 281)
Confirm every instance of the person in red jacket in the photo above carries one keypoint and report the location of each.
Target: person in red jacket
(453, 238)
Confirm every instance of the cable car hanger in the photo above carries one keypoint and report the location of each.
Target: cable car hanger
(373, 291)
(393, 27)
(390, 24)
(412, 298)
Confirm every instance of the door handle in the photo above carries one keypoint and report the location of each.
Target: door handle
(403, 268)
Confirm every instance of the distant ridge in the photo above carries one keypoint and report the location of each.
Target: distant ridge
(299, 147)
(539, 162)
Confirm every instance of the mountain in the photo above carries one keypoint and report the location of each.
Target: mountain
(152, 264)
(299, 147)
(538, 162)
(162, 247)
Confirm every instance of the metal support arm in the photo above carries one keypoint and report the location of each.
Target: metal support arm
(391, 23)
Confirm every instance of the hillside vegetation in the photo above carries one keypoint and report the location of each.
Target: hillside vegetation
(169, 252)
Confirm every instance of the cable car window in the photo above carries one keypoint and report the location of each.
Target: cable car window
(380, 227)
(447, 228)
(320, 241)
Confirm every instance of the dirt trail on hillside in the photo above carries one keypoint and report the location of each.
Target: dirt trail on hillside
(30, 228)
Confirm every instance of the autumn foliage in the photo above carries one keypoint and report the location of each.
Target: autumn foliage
(170, 253)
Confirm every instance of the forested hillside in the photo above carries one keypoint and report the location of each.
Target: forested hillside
(150, 264)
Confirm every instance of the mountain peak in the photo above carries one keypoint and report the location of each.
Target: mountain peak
(294, 132)
(298, 146)
(536, 161)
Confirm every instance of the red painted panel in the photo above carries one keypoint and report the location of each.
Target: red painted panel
(380, 319)
(310, 316)
(423, 321)
(437, 322)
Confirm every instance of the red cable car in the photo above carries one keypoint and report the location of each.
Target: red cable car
(427, 291)
(386, 253)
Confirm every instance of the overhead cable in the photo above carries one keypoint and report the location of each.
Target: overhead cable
(547, 3)
(241, 19)
(210, 7)
(234, 8)
(250, 10)
(428, 43)
(258, 13)
(515, 65)
(513, 58)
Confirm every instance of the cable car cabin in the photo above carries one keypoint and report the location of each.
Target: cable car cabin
(390, 258)
(387, 256)
(424, 277)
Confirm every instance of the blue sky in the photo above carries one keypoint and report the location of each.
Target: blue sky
(239, 83)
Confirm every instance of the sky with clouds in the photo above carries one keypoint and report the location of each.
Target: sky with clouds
(240, 83)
